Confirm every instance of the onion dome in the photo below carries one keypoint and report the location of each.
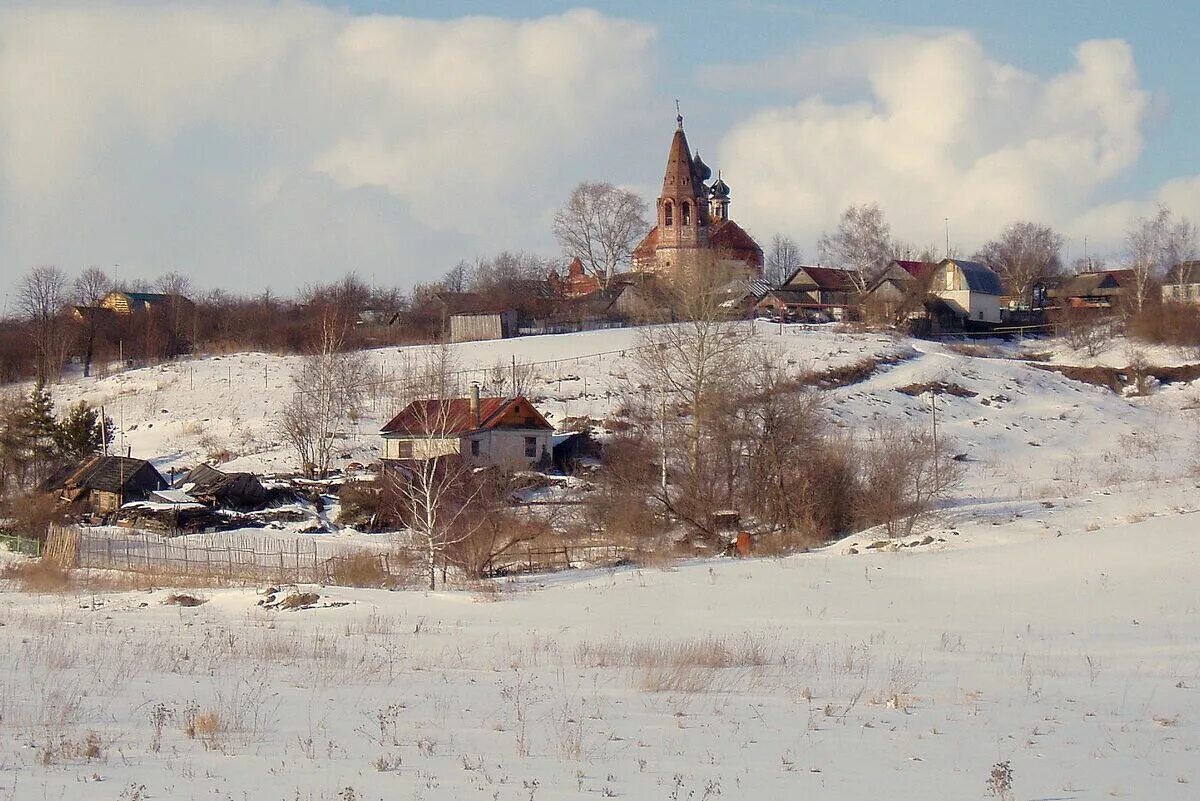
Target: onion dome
(702, 170)
(720, 189)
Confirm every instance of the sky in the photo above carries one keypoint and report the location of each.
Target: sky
(253, 145)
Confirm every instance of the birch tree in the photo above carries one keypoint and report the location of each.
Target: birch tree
(1154, 245)
(601, 225)
(861, 243)
(692, 366)
(328, 394)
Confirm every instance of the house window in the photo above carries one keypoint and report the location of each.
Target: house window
(404, 449)
(474, 447)
(687, 213)
(668, 214)
(531, 447)
(949, 279)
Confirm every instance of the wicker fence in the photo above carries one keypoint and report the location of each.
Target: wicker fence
(249, 558)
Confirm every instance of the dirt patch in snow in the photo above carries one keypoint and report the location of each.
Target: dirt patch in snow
(1117, 379)
(940, 387)
(854, 373)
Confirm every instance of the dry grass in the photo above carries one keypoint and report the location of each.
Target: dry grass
(687, 666)
(37, 576)
(182, 599)
(834, 377)
(362, 569)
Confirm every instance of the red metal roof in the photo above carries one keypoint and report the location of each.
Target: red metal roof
(452, 417)
(729, 236)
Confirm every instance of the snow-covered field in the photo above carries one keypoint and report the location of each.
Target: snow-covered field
(903, 675)
(1052, 623)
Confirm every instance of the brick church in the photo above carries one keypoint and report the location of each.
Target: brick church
(693, 222)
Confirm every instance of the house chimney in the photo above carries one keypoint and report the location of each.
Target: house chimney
(475, 404)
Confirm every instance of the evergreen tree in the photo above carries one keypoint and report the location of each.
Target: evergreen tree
(78, 435)
(40, 426)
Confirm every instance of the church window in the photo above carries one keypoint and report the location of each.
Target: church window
(668, 214)
(687, 213)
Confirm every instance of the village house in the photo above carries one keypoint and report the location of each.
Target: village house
(103, 484)
(693, 229)
(899, 290)
(126, 303)
(485, 431)
(811, 292)
(1103, 289)
(971, 289)
(242, 492)
(1182, 283)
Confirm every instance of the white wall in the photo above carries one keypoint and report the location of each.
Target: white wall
(507, 446)
(422, 447)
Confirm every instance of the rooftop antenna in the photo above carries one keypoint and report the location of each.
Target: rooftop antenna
(678, 114)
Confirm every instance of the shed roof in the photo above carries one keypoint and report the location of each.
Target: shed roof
(831, 279)
(115, 474)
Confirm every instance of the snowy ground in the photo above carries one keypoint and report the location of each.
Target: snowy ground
(1052, 622)
(902, 675)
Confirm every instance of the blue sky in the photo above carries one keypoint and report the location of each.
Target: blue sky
(251, 143)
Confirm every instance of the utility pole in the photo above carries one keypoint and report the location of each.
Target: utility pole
(663, 442)
(937, 482)
(946, 220)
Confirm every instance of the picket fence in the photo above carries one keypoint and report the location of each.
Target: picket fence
(248, 557)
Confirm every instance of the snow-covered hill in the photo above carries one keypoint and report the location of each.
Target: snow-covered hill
(1033, 439)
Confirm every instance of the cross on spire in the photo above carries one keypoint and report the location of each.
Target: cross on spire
(678, 114)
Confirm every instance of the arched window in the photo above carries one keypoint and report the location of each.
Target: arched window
(668, 214)
(687, 213)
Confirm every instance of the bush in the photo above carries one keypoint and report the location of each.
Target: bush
(37, 576)
(361, 569)
(1168, 324)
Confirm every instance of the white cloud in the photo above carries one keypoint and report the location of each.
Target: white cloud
(295, 140)
(943, 130)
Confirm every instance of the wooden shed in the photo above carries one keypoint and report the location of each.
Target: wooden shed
(102, 484)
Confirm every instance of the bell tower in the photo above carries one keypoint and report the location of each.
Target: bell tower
(683, 206)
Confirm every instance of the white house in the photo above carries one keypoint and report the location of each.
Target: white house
(491, 431)
(1182, 283)
(972, 289)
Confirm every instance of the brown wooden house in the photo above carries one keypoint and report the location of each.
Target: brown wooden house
(103, 484)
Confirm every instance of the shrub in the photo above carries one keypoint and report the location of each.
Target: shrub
(37, 576)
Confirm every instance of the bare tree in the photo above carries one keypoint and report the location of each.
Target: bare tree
(89, 288)
(904, 473)
(1023, 253)
(1154, 245)
(783, 258)
(435, 491)
(328, 393)
(600, 225)
(692, 366)
(42, 295)
(861, 243)
(455, 279)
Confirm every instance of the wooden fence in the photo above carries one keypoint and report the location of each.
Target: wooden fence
(249, 558)
(547, 560)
